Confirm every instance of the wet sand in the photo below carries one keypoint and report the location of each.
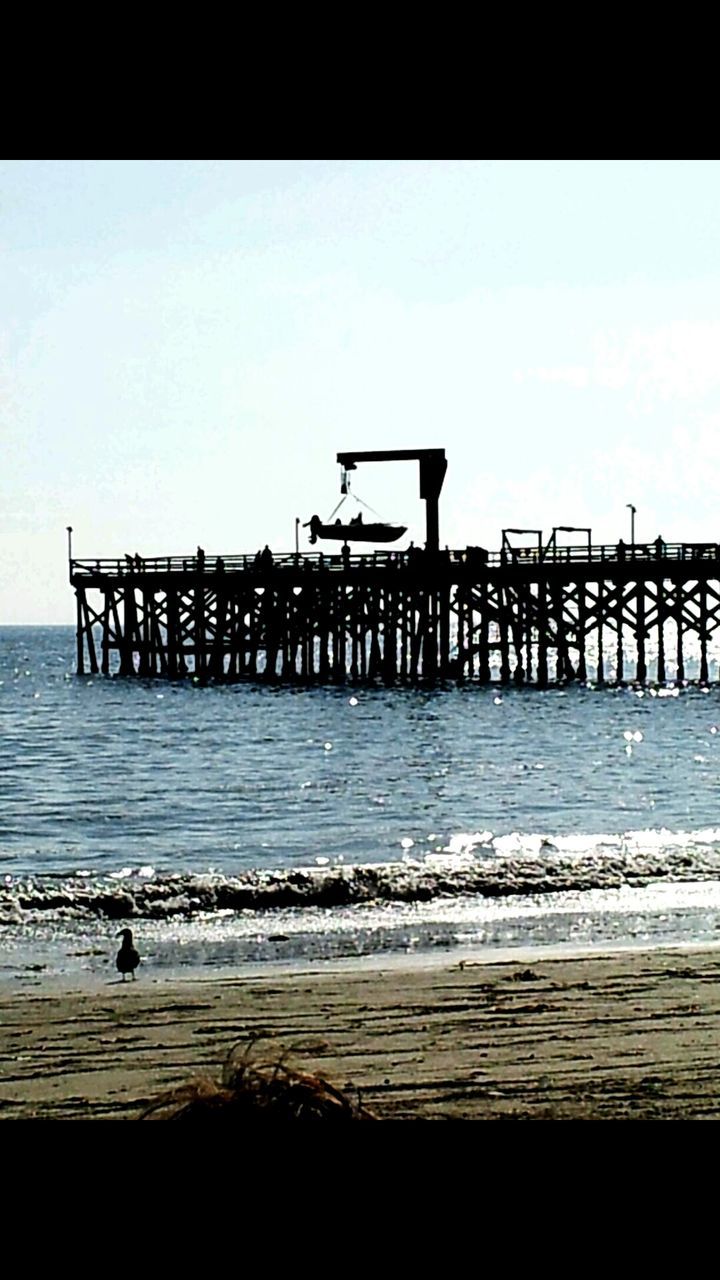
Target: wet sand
(634, 1035)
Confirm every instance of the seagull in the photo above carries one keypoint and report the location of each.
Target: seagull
(127, 957)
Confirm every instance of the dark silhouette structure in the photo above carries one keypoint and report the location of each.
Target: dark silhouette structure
(433, 465)
(403, 616)
(538, 612)
(127, 957)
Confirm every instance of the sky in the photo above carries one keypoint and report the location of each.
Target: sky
(185, 345)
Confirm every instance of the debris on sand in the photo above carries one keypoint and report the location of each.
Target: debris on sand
(257, 1090)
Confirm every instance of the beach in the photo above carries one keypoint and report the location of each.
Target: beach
(629, 1035)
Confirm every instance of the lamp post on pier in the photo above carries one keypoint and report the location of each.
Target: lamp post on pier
(632, 522)
(69, 534)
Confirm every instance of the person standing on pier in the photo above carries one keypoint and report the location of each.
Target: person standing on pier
(200, 559)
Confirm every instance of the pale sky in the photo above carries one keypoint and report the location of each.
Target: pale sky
(185, 345)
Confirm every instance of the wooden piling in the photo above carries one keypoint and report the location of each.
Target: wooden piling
(374, 619)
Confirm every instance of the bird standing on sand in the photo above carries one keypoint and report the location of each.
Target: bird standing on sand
(127, 957)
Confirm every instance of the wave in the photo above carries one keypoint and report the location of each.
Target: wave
(474, 865)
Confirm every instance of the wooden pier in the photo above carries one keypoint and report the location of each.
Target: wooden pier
(534, 615)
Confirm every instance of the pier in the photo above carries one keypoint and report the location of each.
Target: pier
(534, 614)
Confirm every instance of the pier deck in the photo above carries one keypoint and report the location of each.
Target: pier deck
(527, 615)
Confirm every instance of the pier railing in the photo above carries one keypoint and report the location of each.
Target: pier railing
(474, 557)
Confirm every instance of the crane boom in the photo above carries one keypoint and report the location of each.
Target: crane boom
(433, 465)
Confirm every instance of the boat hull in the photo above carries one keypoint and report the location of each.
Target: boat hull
(355, 532)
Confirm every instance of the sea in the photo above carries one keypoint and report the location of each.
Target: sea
(237, 827)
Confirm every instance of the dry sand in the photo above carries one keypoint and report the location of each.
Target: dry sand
(630, 1035)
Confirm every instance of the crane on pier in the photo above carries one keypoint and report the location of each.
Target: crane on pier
(433, 465)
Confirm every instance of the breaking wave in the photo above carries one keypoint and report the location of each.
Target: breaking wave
(472, 865)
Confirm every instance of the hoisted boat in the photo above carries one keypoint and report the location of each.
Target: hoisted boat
(354, 531)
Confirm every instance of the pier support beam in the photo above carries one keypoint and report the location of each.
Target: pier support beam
(385, 620)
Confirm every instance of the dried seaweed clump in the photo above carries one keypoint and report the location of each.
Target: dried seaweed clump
(257, 1090)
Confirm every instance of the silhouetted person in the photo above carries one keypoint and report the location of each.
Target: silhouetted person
(621, 550)
(200, 559)
(266, 557)
(219, 565)
(138, 562)
(659, 547)
(127, 957)
(346, 556)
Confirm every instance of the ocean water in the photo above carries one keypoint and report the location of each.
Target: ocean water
(235, 826)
